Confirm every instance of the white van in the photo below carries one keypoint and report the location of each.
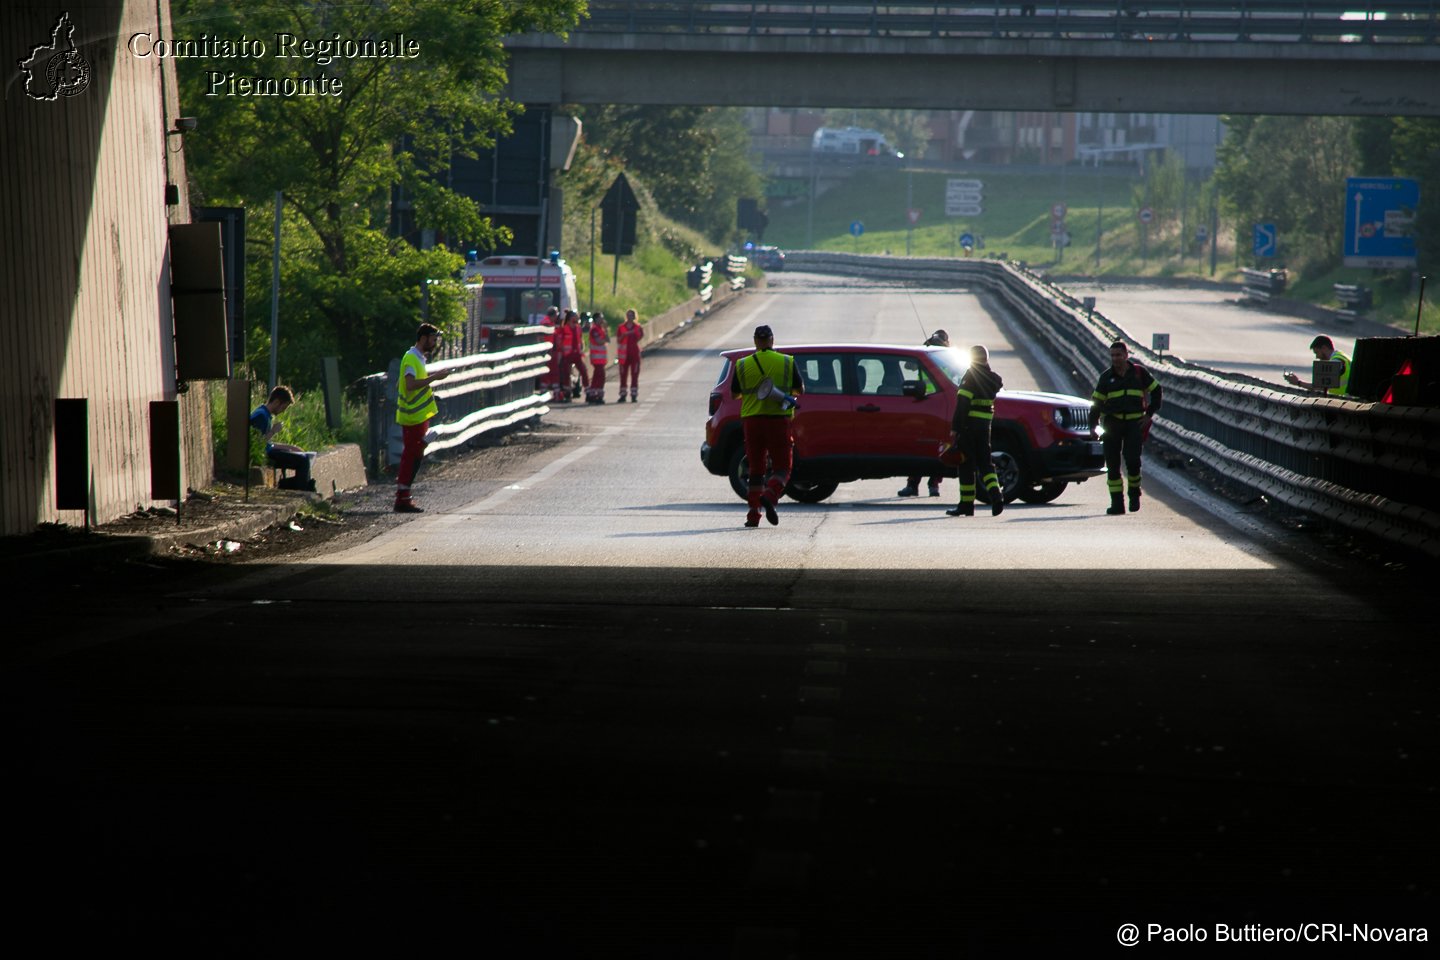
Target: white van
(851, 141)
(520, 290)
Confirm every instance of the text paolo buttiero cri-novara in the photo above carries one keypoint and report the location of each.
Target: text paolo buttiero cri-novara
(284, 46)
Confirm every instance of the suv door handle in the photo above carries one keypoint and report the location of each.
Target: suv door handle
(868, 408)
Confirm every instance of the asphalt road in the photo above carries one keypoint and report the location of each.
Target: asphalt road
(576, 710)
(1214, 328)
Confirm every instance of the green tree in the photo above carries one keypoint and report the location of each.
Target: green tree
(338, 160)
(1409, 147)
(1291, 171)
(695, 160)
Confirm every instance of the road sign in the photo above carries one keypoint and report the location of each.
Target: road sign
(857, 228)
(1057, 212)
(1267, 240)
(967, 240)
(963, 210)
(1380, 221)
(1325, 374)
(1159, 342)
(963, 198)
(963, 186)
(1146, 214)
(913, 215)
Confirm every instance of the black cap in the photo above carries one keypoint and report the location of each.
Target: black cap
(764, 331)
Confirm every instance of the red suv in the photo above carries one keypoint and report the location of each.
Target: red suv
(872, 411)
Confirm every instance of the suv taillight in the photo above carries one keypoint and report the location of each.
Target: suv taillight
(714, 403)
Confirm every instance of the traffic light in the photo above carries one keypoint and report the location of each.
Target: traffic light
(746, 209)
(749, 216)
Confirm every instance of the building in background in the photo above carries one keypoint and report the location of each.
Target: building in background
(1002, 137)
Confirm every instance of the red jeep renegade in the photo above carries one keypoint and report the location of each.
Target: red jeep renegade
(873, 411)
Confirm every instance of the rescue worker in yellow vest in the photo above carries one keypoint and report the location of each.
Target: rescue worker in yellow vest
(414, 406)
(970, 431)
(1324, 349)
(1126, 397)
(766, 422)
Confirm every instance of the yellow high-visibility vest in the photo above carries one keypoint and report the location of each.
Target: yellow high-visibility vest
(779, 367)
(417, 406)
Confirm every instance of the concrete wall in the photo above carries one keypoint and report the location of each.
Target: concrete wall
(84, 279)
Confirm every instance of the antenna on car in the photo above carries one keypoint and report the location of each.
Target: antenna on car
(916, 311)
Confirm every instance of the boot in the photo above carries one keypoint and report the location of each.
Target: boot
(907, 491)
(1117, 504)
(966, 509)
(1134, 501)
(997, 503)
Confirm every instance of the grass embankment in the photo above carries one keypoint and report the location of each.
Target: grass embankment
(1107, 238)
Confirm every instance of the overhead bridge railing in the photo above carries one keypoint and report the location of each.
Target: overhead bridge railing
(1372, 467)
(1322, 21)
(483, 393)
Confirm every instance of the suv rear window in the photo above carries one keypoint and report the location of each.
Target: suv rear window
(822, 372)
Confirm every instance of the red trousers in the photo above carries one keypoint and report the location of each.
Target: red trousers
(767, 439)
(578, 362)
(410, 456)
(630, 371)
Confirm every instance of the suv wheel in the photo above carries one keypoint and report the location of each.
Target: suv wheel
(1007, 471)
(1042, 492)
(811, 491)
(739, 473)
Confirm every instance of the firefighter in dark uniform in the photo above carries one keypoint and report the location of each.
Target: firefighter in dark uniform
(1126, 396)
(970, 431)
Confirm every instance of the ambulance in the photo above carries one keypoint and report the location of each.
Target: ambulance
(520, 290)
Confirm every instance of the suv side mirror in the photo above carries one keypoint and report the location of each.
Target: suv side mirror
(914, 388)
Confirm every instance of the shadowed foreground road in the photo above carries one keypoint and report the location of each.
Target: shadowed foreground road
(304, 760)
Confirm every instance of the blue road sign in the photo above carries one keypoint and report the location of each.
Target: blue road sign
(857, 228)
(1380, 221)
(967, 240)
(1266, 240)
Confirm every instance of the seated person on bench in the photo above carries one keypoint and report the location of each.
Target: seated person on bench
(284, 455)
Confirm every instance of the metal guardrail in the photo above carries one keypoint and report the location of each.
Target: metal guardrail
(484, 392)
(1354, 299)
(1315, 21)
(1261, 285)
(1368, 466)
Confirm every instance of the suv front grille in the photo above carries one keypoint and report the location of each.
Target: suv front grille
(1076, 419)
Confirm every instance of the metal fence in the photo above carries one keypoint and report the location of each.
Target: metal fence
(484, 392)
(1368, 466)
(1316, 21)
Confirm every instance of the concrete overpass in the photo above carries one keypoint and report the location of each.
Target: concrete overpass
(1187, 56)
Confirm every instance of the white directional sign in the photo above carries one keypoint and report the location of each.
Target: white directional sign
(963, 198)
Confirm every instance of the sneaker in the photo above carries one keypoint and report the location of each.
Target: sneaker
(907, 492)
(752, 521)
(405, 506)
(620, 399)
(771, 516)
